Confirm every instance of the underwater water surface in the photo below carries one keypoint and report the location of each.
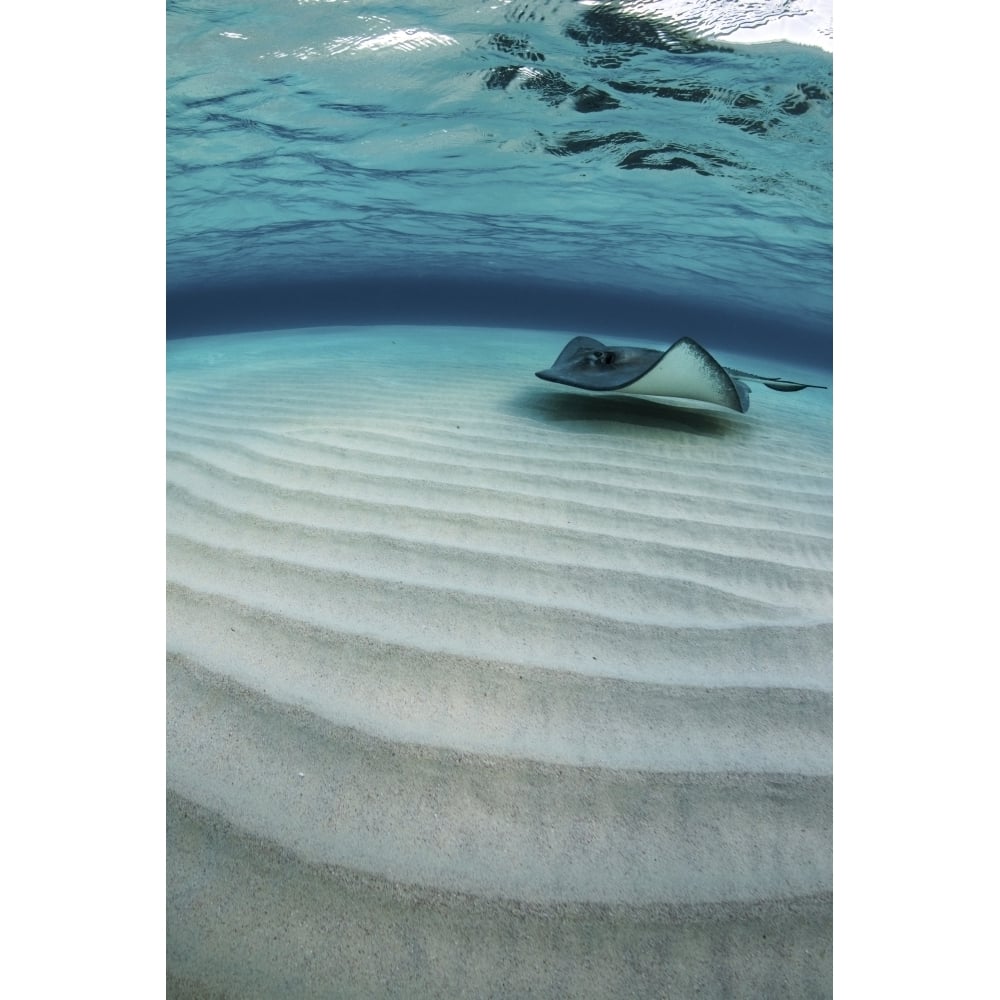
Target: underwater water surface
(622, 167)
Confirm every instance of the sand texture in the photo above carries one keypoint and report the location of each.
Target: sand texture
(482, 687)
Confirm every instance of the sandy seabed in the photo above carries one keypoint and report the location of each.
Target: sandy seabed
(478, 686)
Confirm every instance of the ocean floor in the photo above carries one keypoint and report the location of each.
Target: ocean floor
(481, 686)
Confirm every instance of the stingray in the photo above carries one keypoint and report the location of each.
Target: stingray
(685, 370)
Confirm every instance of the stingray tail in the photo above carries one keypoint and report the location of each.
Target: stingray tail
(778, 384)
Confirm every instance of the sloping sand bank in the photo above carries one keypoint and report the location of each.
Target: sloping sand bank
(477, 686)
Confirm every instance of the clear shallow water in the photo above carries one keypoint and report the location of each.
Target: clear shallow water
(540, 164)
(521, 689)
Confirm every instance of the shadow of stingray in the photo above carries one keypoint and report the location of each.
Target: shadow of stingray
(589, 412)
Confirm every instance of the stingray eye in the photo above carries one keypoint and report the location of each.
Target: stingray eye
(602, 357)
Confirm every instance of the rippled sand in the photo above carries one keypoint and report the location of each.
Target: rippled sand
(482, 687)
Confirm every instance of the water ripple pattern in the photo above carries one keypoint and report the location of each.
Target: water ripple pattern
(634, 146)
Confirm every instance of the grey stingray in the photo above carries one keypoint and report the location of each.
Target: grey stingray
(684, 370)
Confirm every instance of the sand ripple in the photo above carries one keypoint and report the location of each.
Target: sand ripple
(492, 670)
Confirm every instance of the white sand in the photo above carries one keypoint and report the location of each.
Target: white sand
(478, 686)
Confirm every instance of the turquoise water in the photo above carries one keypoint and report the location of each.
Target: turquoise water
(477, 684)
(541, 164)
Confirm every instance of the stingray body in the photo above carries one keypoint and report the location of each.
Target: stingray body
(685, 370)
